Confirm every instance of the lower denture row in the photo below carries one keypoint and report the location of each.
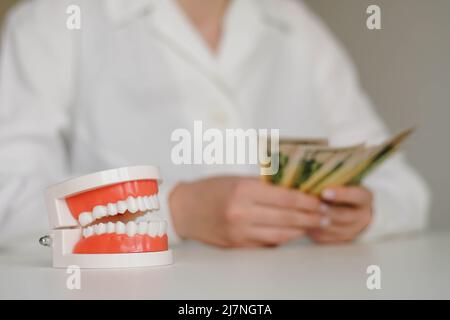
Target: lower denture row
(131, 228)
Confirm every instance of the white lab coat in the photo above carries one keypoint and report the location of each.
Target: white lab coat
(111, 94)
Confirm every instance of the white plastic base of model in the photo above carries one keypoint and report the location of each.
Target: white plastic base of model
(116, 260)
(64, 240)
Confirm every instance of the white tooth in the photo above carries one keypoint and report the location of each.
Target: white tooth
(87, 232)
(162, 228)
(122, 206)
(132, 204)
(143, 218)
(131, 228)
(112, 209)
(99, 212)
(156, 200)
(100, 228)
(110, 227)
(148, 204)
(153, 228)
(120, 228)
(141, 204)
(85, 218)
(142, 228)
(152, 202)
(154, 217)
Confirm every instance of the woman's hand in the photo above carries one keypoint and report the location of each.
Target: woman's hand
(242, 212)
(350, 211)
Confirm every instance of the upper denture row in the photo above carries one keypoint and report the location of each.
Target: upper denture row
(131, 204)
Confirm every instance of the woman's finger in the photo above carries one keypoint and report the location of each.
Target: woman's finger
(281, 217)
(355, 196)
(272, 235)
(324, 237)
(341, 230)
(341, 215)
(346, 229)
(264, 193)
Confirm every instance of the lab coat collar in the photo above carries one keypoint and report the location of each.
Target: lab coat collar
(123, 11)
(244, 23)
(242, 28)
(167, 23)
(172, 27)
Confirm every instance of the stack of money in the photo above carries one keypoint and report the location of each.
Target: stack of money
(312, 165)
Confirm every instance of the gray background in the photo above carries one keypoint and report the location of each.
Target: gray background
(405, 68)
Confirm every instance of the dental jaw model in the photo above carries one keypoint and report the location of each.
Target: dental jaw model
(108, 219)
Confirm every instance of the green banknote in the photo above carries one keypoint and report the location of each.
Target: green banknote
(310, 165)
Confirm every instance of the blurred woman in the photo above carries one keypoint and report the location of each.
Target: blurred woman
(111, 93)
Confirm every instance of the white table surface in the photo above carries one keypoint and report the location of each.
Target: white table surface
(411, 267)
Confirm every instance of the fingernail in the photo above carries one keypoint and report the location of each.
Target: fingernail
(325, 222)
(324, 208)
(328, 194)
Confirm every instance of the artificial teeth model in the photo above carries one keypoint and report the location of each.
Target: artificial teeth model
(108, 219)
